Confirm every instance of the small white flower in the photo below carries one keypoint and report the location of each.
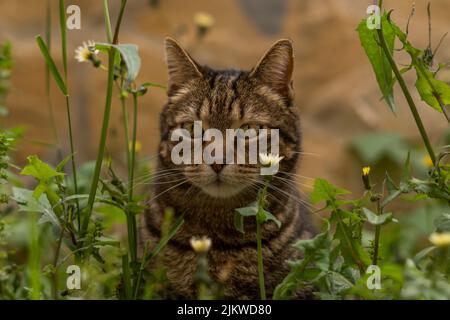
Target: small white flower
(202, 244)
(86, 51)
(269, 160)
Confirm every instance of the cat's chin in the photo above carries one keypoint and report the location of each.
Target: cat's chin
(221, 190)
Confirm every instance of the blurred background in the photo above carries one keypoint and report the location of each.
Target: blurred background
(345, 124)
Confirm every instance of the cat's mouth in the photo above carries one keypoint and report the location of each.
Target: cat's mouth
(221, 189)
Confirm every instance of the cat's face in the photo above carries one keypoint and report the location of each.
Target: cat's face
(258, 99)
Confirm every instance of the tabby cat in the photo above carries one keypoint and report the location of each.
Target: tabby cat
(207, 195)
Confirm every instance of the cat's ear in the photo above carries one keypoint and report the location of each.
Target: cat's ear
(276, 66)
(182, 68)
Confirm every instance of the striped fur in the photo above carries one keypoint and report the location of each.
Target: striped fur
(223, 100)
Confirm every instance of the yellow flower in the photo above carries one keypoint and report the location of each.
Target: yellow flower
(200, 245)
(366, 171)
(86, 52)
(427, 161)
(138, 146)
(440, 239)
(269, 160)
(204, 20)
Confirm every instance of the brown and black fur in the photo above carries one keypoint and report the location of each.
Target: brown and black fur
(222, 100)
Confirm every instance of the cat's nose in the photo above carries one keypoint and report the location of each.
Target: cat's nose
(217, 167)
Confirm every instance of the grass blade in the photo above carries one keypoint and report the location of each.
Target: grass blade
(51, 65)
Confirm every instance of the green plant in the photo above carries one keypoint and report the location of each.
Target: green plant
(338, 260)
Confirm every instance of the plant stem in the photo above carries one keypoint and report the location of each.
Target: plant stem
(72, 155)
(261, 203)
(131, 219)
(106, 116)
(406, 92)
(133, 146)
(109, 35)
(119, 22)
(102, 143)
(126, 133)
(377, 236)
(34, 262)
(55, 266)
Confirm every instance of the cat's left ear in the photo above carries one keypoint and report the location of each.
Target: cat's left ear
(276, 67)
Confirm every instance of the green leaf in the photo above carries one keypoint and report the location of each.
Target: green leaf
(239, 222)
(62, 164)
(432, 91)
(375, 219)
(40, 170)
(249, 211)
(163, 241)
(28, 203)
(380, 64)
(316, 252)
(129, 54)
(271, 217)
(51, 65)
(325, 191)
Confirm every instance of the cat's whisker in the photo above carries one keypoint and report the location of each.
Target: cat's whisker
(307, 153)
(165, 191)
(295, 175)
(154, 176)
(151, 174)
(287, 194)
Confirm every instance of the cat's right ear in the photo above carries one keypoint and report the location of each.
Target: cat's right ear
(182, 68)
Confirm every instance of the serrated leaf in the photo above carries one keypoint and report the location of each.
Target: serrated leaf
(325, 191)
(380, 64)
(431, 90)
(40, 170)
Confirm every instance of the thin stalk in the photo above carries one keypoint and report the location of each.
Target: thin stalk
(376, 246)
(133, 145)
(109, 35)
(74, 167)
(406, 93)
(261, 203)
(62, 27)
(141, 269)
(48, 40)
(126, 132)
(102, 143)
(119, 22)
(131, 219)
(55, 266)
(106, 114)
(349, 243)
(34, 263)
